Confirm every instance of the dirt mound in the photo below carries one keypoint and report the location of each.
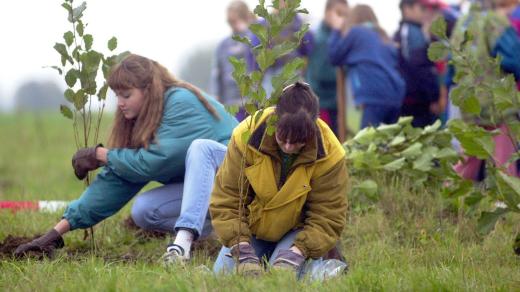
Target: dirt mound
(10, 243)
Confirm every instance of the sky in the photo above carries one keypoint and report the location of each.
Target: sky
(164, 30)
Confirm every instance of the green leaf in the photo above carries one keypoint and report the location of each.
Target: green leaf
(66, 112)
(398, 140)
(91, 61)
(80, 28)
(62, 50)
(513, 196)
(271, 129)
(71, 77)
(77, 12)
(260, 31)
(488, 220)
(473, 199)
(245, 137)
(241, 39)
(424, 162)
(69, 95)
(412, 151)
(395, 165)
(471, 105)
(232, 109)
(437, 51)
(261, 11)
(112, 43)
(251, 108)
(69, 38)
(88, 39)
(80, 99)
(439, 28)
(102, 93)
(368, 187)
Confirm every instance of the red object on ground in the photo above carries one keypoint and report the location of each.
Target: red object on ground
(43, 206)
(19, 205)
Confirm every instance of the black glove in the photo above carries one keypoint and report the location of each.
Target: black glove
(288, 260)
(248, 261)
(85, 160)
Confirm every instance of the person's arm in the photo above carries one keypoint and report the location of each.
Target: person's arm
(326, 213)
(340, 47)
(225, 200)
(183, 121)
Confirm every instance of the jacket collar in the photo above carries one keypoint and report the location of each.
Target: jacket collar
(267, 144)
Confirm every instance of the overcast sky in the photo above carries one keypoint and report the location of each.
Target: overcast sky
(164, 30)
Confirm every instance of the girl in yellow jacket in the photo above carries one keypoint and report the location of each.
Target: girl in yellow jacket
(294, 184)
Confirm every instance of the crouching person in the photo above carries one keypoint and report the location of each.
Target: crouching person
(294, 206)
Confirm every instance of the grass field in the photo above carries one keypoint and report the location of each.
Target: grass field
(408, 241)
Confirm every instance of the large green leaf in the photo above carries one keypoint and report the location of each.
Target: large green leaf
(395, 165)
(512, 194)
(368, 187)
(488, 220)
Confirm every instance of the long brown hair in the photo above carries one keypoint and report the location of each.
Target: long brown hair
(153, 79)
(360, 14)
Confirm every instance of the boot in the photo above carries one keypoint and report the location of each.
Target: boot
(41, 246)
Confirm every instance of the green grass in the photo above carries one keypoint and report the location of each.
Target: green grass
(409, 241)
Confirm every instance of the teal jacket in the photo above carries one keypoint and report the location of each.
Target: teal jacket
(128, 170)
(185, 119)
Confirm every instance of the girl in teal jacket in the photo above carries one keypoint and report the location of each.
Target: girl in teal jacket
(156, 120)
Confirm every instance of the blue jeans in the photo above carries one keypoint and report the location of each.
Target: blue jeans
(183, 206)
(374, 115)
(265, 250)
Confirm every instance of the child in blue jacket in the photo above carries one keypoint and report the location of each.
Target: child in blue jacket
(420, 74)
(371, 62)
(157, 119)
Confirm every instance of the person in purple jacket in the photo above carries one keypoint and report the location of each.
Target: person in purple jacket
(360, 44)
(222, 84)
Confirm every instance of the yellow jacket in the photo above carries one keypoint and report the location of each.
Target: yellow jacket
(313, 197)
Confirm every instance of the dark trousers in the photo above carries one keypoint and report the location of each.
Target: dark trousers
(374, 115)
(422, 116)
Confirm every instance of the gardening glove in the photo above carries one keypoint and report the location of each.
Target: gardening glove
(248, 262)
(288, 260)
(42, 246)
(85, 160)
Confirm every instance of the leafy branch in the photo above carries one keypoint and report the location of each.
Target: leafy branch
(489, 102)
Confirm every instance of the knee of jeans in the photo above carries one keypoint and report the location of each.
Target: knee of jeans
(144, 215)
(198, 145)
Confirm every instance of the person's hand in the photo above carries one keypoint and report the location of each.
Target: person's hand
(289, 259)
(248, 261)
(85, 160)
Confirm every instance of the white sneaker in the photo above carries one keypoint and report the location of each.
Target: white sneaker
(174, 255)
